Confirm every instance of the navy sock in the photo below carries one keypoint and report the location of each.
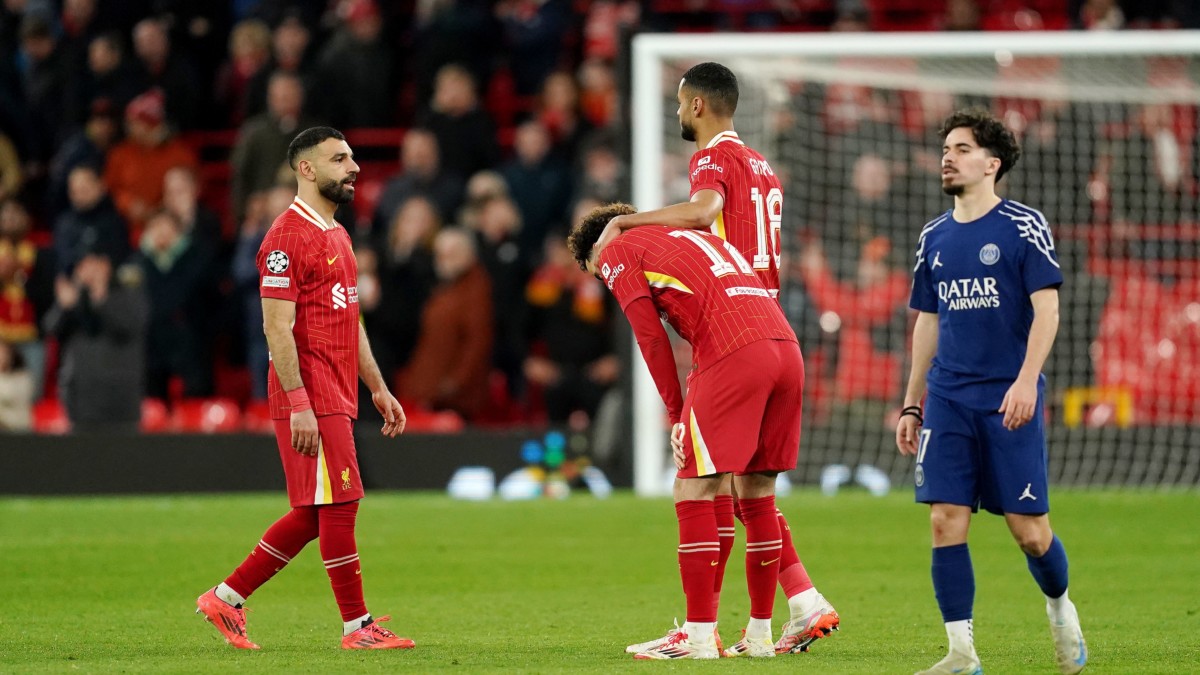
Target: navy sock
(1050, 570)
(954, 582)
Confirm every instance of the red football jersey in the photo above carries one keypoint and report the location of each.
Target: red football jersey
(700, 284)
(752, 216)
(311, 262)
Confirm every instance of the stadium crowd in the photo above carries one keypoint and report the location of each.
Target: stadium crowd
(142, 148)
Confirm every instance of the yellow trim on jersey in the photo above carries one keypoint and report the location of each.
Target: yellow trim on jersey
(718, 226)
(659, 280)
(704, 463)
(324, 493)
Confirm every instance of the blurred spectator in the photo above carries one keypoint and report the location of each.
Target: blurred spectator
(167, 70)
(406, 277)
(603, 177)
(1100, 15)
(963, 15)
(598, 96)
(16, 391)
(604, 24)
(136, 166)
(78, 29)
(869, 317)
(91, 224)
(108, 77)
(261, 147)
(354, 71)
(181, 196)
(450, 366)
(178, 277)
(261, 210)
(420, 175)
(570, 355)
(99, 318)
(866, 212)
(11, 175)
(26, 289)
(497, 228)
(481, 189)
(1055, 144)
(451, 31)
(289, 54)
(533, 32)
(43, 84)
(539, 183)
(89, 145)
(558, 112)
(1149, 178)
(249, 51)
(464, 132)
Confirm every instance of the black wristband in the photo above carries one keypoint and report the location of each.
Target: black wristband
(915, 411)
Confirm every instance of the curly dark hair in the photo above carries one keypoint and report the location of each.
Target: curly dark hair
(716, 84)
(584, 235)
(990, 133)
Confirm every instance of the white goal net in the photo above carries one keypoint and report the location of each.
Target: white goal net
(1108, 125)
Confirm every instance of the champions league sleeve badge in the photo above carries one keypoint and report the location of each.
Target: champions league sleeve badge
(277, 261)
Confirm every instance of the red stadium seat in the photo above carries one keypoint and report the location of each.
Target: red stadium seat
(256, 418)
(49, 417)
(156, 418)
(207, 416)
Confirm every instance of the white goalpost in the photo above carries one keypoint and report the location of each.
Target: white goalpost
(1111, 130)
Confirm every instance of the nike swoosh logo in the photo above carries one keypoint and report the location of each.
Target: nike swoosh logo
(358, 571)
(768, 562)
(334, 258)
(713, 563)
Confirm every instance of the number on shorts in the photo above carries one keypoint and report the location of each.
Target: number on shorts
(923, 445)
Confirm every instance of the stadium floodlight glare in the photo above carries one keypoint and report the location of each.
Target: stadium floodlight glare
(1106, 425)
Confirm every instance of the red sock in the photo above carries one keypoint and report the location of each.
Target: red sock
(763, 550)
(698, 549)
(793, 578)
(283, 541)
(723, 507)
(340, 554)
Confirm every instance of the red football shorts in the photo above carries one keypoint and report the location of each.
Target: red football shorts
(742, 414)
(329, 478)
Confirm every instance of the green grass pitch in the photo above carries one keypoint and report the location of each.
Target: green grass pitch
(109, 584)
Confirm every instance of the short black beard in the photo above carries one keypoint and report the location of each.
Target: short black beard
(954, 190)
(688, 132)
(336, 192)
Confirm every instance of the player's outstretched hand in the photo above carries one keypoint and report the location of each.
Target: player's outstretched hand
(677, 445)
(305, 436)
(393, 415)
(906, 434)
(1019, 404)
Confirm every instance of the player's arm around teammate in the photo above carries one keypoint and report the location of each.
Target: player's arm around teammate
(278, 318)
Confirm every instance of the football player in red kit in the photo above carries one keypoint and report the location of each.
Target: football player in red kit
(309, 289)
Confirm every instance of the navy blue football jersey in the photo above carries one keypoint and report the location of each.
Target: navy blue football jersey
(978, 277)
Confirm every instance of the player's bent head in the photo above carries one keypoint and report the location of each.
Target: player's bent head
(714, 83)
(306, 140)
(990, 133)
(583, 236)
